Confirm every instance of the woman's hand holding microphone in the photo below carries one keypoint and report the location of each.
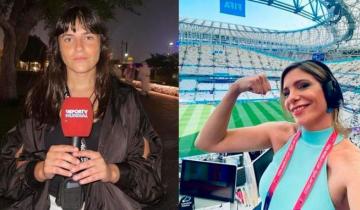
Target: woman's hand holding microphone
(64, 160)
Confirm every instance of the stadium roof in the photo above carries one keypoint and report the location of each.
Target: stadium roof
(335, 28)
(314, 10)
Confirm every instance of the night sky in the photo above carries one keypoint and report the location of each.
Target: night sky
(148, 33)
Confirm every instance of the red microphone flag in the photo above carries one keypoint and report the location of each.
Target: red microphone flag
(76, 117)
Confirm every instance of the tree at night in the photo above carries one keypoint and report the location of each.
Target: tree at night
(165, 67)
(35, 51)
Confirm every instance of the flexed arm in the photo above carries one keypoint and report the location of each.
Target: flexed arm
(216, 138)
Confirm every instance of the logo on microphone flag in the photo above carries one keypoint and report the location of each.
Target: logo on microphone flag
(76, 117)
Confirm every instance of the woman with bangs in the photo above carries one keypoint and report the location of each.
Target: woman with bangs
(123, 152)
(314, 166)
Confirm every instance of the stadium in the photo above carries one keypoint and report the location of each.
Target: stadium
(213, 54)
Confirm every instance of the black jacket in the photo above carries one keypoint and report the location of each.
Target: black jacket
(121, 142)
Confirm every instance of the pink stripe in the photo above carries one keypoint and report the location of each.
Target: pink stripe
(314, 174)
(284, 163)
(316, 171)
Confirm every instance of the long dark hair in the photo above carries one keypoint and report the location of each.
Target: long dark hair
(44, 100)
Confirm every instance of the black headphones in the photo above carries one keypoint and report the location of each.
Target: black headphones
(331, 87)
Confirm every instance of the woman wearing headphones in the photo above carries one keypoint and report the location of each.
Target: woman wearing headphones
(315, 166)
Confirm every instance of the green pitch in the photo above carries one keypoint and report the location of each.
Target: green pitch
(192, 118)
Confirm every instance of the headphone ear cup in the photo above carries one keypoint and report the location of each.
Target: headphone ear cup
(333, 94)
(331, 88)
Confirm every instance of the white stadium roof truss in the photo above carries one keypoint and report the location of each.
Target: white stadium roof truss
(335, 32)
(336, 29)
(313, 10)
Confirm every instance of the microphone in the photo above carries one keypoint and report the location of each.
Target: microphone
(76, 118)
(76, 121)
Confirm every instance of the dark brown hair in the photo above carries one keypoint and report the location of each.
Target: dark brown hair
(44, 100)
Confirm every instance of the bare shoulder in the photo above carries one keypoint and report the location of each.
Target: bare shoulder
(282, 126)
(343, 175)
(344, 152)
(345, 157)
(280, 132)
(344, 165)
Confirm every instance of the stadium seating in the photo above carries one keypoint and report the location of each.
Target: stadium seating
(189, 70)
(228, 63)
(188, 84)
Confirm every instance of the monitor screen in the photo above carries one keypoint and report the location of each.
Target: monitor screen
(261, 163)
(208, 180)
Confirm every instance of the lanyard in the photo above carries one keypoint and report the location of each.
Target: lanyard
(311, 180)
(66, 92)
(67, 95)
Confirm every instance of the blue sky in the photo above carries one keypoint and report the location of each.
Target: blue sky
(257, 15)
